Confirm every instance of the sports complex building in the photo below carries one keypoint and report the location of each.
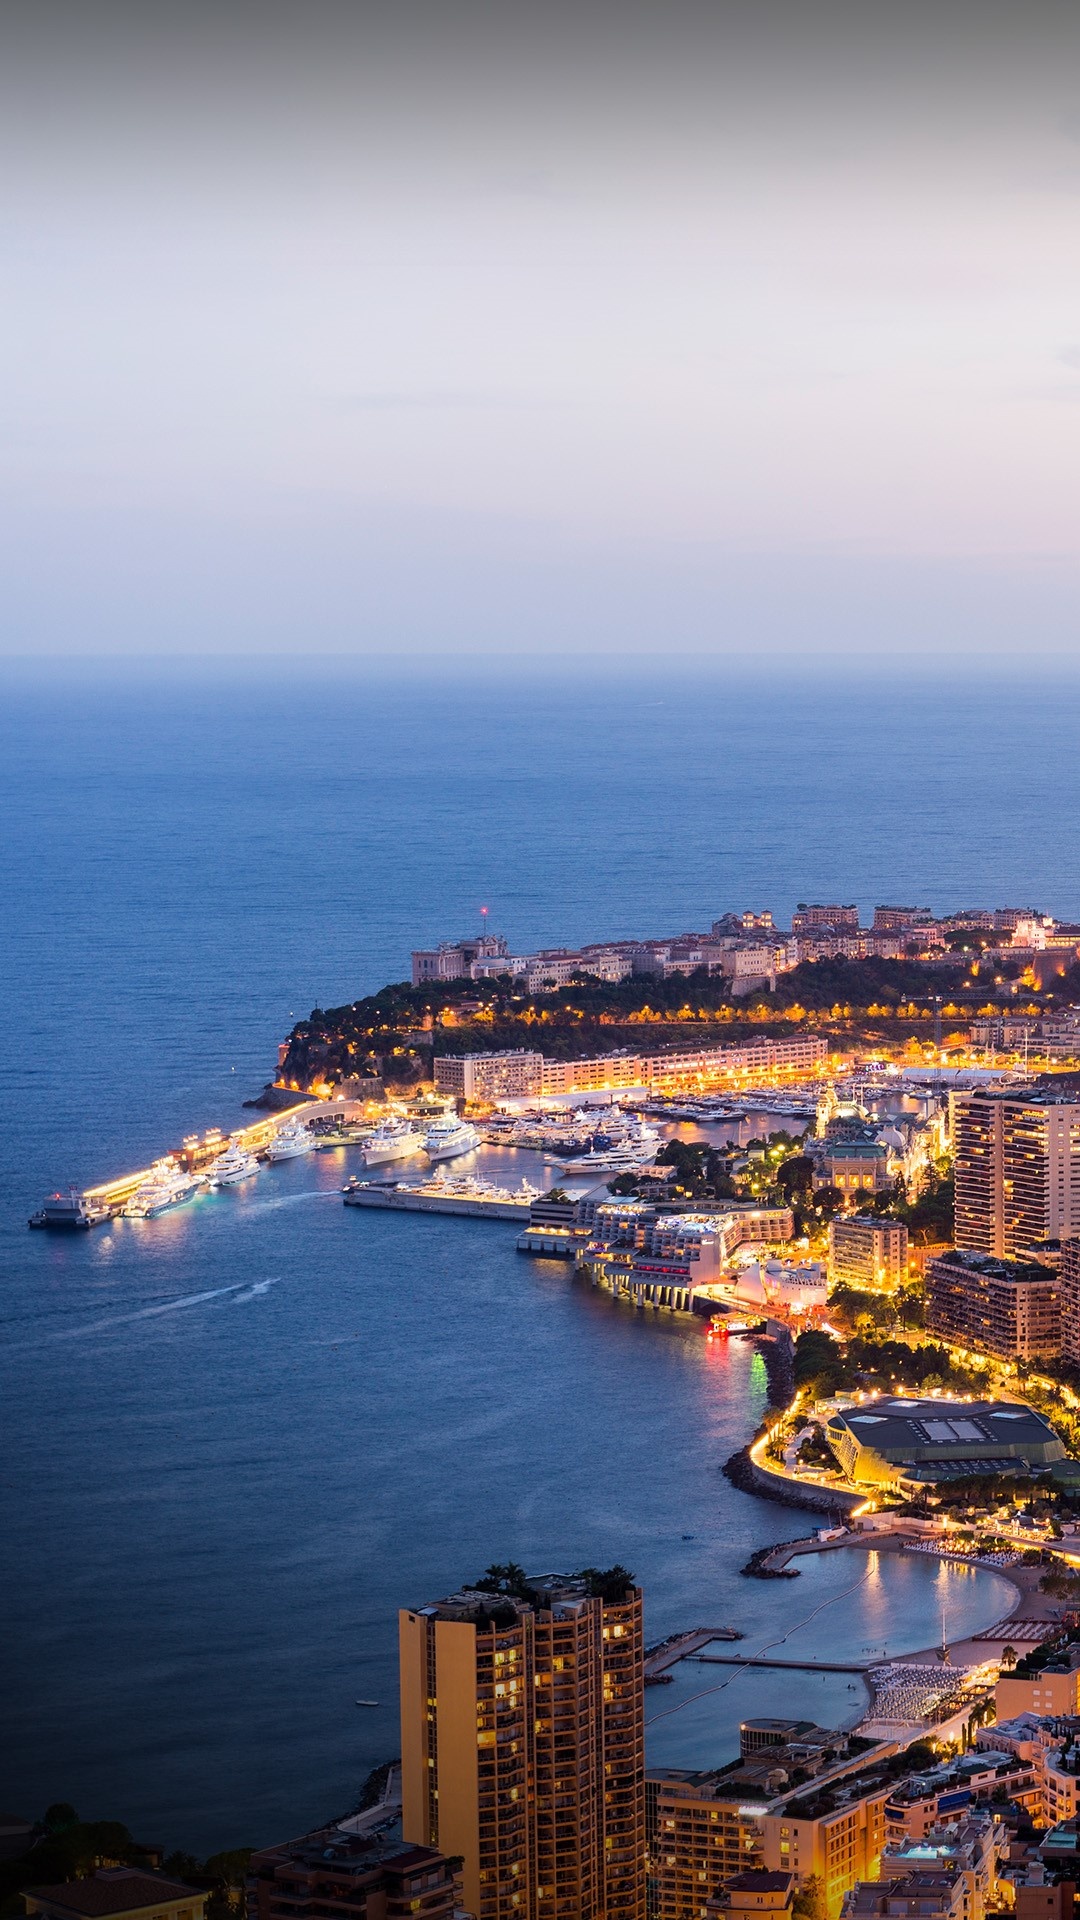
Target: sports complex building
(918, 1443)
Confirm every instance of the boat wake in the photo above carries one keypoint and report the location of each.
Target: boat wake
(240, 1291)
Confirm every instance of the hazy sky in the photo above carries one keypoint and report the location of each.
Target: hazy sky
(382, 327)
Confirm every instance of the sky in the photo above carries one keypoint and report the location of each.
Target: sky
(748, 330)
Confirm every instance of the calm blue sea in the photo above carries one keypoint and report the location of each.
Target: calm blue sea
(238, 1438)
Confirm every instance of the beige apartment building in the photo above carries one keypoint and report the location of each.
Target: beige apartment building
(1052, 1691)
(522, 1728)
(1009, 1308)
(867, 1253)
(838, 1836)
(700, 1836)
(1017, 1166)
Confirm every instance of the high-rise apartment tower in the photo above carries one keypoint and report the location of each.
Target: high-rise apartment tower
(523, 1745)
(1017, 1164)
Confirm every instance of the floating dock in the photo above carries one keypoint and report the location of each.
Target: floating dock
(386, 1193)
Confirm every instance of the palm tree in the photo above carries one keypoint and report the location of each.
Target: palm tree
(1009, 1657)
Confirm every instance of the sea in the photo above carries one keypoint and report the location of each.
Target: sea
(238, 1438)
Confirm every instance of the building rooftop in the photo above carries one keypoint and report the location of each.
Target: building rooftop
(945, 1431)
(330, 1848)
(115, 1890)
(758, 1880)
(1016, 1271)
(540, 1592)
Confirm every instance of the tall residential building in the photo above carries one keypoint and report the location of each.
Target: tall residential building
(1069, 1278)
(1017, 1165)
(868, 1253)
(523, 1745)
(1010, 1308)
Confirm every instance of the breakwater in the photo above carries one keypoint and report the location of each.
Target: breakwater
(744, 1473)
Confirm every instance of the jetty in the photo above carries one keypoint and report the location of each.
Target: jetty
(682, 1646)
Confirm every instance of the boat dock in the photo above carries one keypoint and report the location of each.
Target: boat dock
(108, 1199)
(503, 1205)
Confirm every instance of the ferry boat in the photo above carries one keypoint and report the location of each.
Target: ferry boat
(167, 1186)
(68, 1212)
(449, 1137)
(234, 1165)
(392, 1140)
(289, 1141)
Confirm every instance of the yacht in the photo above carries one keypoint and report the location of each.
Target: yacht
(290, 1140)
(625, 1158)
(235, 1164)
(68, 1212)
(449, 1137)
(392, 1140)
(166, 1185)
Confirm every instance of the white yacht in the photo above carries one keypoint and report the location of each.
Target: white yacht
(625, 1158)
(449, 1137)
(167, 1185)
(290, 1140)
(235, 1164)
(392, 1140)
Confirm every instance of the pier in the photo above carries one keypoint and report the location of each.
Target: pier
(795, 1666)
(682, 1646)
(254, 1139)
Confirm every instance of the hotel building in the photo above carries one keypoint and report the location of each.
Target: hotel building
(523, 1746)
(1017, 1165)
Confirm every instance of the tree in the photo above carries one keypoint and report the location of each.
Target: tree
(796, 1175)
(1008, 1657)
(809, 1901)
